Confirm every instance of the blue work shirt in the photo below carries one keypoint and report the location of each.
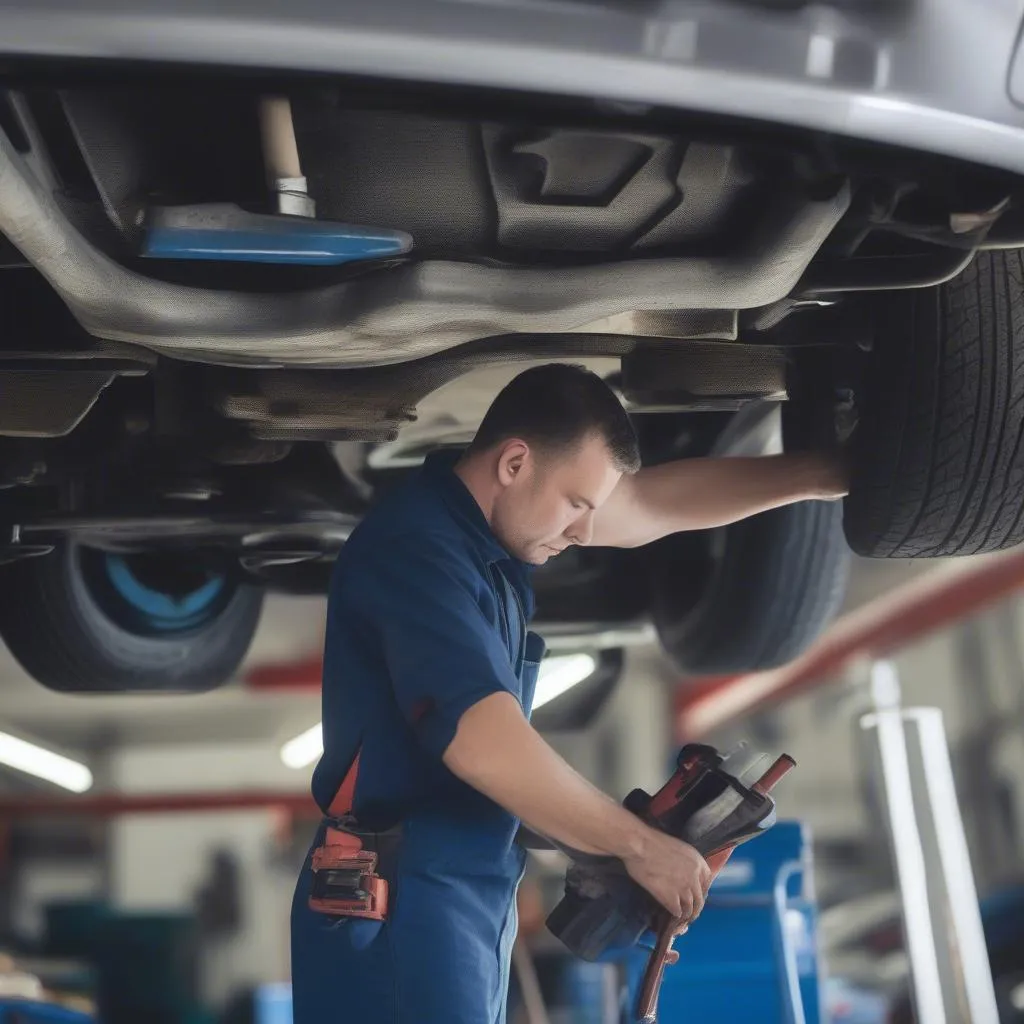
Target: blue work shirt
(427, 615)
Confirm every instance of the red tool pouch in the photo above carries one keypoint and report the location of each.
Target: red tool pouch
(352, 872)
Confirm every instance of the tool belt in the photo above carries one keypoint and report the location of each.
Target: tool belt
(354, 871)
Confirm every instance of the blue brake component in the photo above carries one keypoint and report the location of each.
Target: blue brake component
(223, 231)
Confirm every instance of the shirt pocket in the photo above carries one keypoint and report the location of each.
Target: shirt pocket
(511, 620)
(534, 655)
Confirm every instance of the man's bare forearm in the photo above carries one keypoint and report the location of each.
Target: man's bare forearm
(701, 494)
(499, 753)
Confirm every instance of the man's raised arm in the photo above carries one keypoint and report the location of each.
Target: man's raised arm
(700, 494)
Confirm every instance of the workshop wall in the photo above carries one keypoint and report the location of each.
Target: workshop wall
(41, 883)
(163, 861)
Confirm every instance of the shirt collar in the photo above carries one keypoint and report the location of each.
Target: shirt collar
(439, 469)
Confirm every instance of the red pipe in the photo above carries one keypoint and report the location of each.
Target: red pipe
(112, 805)
(939, 598)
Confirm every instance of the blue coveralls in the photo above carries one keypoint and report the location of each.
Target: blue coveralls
(427, 615)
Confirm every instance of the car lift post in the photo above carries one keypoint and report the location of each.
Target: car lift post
(949, 966)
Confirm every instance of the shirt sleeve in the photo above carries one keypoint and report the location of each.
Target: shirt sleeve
(442, 653)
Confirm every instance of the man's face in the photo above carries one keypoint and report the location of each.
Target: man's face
(547, 501)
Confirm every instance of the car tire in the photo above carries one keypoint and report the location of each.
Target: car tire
(67, 621)
(771, 585)
(937, 456)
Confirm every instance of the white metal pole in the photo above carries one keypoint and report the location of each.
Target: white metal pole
(908, 853)
(955, 864)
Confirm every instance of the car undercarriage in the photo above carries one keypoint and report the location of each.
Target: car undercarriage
(231, 320)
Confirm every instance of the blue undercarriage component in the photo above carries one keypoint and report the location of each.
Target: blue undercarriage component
(163, 612)
(223, 231)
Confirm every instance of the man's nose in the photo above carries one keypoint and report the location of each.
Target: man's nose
(581, 530)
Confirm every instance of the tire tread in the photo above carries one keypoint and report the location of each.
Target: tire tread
(946, 393)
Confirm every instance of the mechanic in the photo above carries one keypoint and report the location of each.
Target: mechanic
(429, 673)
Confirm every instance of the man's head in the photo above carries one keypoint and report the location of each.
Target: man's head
(548, 453)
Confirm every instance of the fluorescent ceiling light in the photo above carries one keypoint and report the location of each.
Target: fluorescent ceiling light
(560, 674)
(1017, 996)
(555, 677)
(44, 764)
(305, 748)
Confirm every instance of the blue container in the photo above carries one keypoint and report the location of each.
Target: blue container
(72, 927)
(272, 1004)
(24, 1011)
(147, 968)
(589, 992)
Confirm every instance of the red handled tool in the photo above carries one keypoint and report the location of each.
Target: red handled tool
(706, 803)
(663, 954)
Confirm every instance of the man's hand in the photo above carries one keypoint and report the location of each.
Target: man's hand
(833, 476)
(675, 874)
(702, 494)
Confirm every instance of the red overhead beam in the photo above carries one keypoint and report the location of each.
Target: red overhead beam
(112, 805)
(941, 597)
(291, 676)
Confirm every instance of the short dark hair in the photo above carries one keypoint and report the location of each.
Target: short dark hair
(556, 407)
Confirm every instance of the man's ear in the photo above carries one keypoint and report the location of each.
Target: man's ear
(512, 458)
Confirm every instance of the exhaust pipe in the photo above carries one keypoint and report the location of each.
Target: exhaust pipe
(400, 313)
